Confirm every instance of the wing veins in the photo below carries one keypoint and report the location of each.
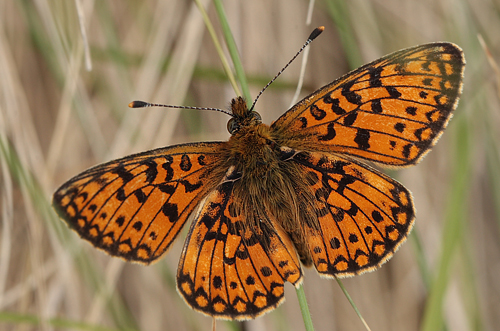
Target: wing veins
(362, 211)
(368, 112)
(384, 86)
(355, 178)
(170, 230)
(100, 190)
(225, 275)
(155, 186)
(213, 254)
(352, 219)
(270, 260)
(402, 75)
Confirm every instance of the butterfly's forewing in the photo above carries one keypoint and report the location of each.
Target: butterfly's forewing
(229, 269)
(134, 207)
(363, 214)
(390, 111)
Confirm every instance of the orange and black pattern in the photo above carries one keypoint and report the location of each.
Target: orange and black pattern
(275, 197)
(390, 111)
(363, 214)
(228, 269)
(134, 207)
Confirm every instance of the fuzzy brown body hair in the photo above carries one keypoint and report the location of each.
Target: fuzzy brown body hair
(269, 190)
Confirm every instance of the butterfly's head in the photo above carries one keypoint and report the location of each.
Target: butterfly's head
(242, 116)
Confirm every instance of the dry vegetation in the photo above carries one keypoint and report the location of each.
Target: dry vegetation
(57, 119)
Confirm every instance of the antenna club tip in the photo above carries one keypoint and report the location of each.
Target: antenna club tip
(138, 104)
(316, 32)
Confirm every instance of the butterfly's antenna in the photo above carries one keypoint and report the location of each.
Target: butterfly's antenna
(142, 104)
(312, 36)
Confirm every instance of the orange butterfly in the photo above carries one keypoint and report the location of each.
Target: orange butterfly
(275, 195)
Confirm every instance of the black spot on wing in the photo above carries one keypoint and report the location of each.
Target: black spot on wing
(303, 122)
(411, 110)
(351, 118)
(170, 211)
(190, 187)
(317, 112)
(151, 171)
(120, 194)
(393, 92)
(374, 73)
(335, 104)
(376, 106)
(185, 164)
(137, 226)
(201, 160)
(167, 166)
(330, 134)
(122, 173)
(351, 96)
(362, 139)
(399, 127)
(141, 197)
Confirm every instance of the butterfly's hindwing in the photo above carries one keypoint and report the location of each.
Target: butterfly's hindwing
(233, 267)
(134, 207)
(390, 111)
(363, 214)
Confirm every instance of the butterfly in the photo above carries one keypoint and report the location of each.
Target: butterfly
(274, 198)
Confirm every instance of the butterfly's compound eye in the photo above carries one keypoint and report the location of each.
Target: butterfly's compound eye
(232, 126)
(256, 116)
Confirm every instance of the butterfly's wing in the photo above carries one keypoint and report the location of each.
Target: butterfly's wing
(390, 111)
(134, 207)
(230, 269)
(363, 215)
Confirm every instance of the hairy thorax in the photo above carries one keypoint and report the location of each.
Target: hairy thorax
(270, 189)
(252, 149)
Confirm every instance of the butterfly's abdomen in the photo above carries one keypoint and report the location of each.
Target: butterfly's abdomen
(270, 188)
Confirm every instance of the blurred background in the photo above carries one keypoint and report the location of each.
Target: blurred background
(58, 117)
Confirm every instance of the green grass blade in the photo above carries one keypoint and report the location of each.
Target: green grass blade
(352, 303)
(453, 230)
(233, 51)
(304, 308)
(218, 47)
(339, 12)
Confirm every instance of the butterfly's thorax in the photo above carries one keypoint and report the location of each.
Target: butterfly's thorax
(251, 149)
(269, 188)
